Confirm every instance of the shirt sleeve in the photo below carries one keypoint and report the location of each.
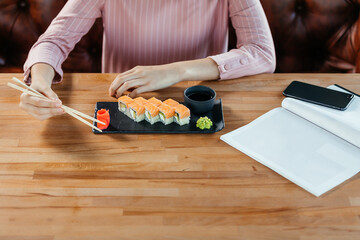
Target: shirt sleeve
(53, 47)
(255, 52)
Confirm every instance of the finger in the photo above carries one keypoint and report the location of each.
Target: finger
(128, 72)
(142, 89)
(39, 102)
(48, 92)
(121, 76)
(38, 112)
(128, 85)
(119, 81)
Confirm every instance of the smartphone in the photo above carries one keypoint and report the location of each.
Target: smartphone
(318, 95)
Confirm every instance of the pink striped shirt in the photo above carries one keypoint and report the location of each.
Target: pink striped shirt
(152, 32)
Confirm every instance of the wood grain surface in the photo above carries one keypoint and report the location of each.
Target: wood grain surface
(58, 180)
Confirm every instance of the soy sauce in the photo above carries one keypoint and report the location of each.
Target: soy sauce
(200, 96)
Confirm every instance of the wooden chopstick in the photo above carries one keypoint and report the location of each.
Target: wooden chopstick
(27, 87)
(25, 91)
(82, 120)
(65, 109)
(63, 106)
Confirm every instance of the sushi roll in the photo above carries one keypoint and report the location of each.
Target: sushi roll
(155, 101)
(182, 115)
(171, 102)
(166, 114)
(151, 113)
(136, 111)
(124, 102)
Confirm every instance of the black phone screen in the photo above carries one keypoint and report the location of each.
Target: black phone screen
(318, 95)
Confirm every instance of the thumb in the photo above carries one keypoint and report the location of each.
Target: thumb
(48, 92)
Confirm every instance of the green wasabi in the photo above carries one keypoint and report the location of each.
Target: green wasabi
(204, 123)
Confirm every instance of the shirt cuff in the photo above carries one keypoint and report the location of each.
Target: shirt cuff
(231, 63)
(48, 53)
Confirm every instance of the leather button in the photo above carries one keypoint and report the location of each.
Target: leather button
(2, 61)
(300, 6)
(23, 4)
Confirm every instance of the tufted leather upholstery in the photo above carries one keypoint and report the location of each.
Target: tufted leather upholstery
(315, 35)
(23, 21)
(309, 35)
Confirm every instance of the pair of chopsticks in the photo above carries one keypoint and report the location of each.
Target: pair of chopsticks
(72, 112)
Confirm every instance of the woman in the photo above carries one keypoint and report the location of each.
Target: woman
(153, 44)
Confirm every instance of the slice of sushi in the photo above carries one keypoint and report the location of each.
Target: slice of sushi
(171, 102)
(166, 114)
(151, 113)
(136, 111)
(182, 115)
(141, 100)
(124, 102)
(155, 101)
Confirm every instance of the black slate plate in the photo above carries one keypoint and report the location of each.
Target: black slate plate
(120, 123)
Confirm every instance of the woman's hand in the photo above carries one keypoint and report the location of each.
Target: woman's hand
(40, 108)
(151, 78)
(41, 81)
(145, 79)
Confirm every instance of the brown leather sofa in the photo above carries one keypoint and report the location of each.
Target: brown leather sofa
(23, 21)
(309, 35)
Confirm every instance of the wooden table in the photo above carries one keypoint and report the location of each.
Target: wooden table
(58, 180)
